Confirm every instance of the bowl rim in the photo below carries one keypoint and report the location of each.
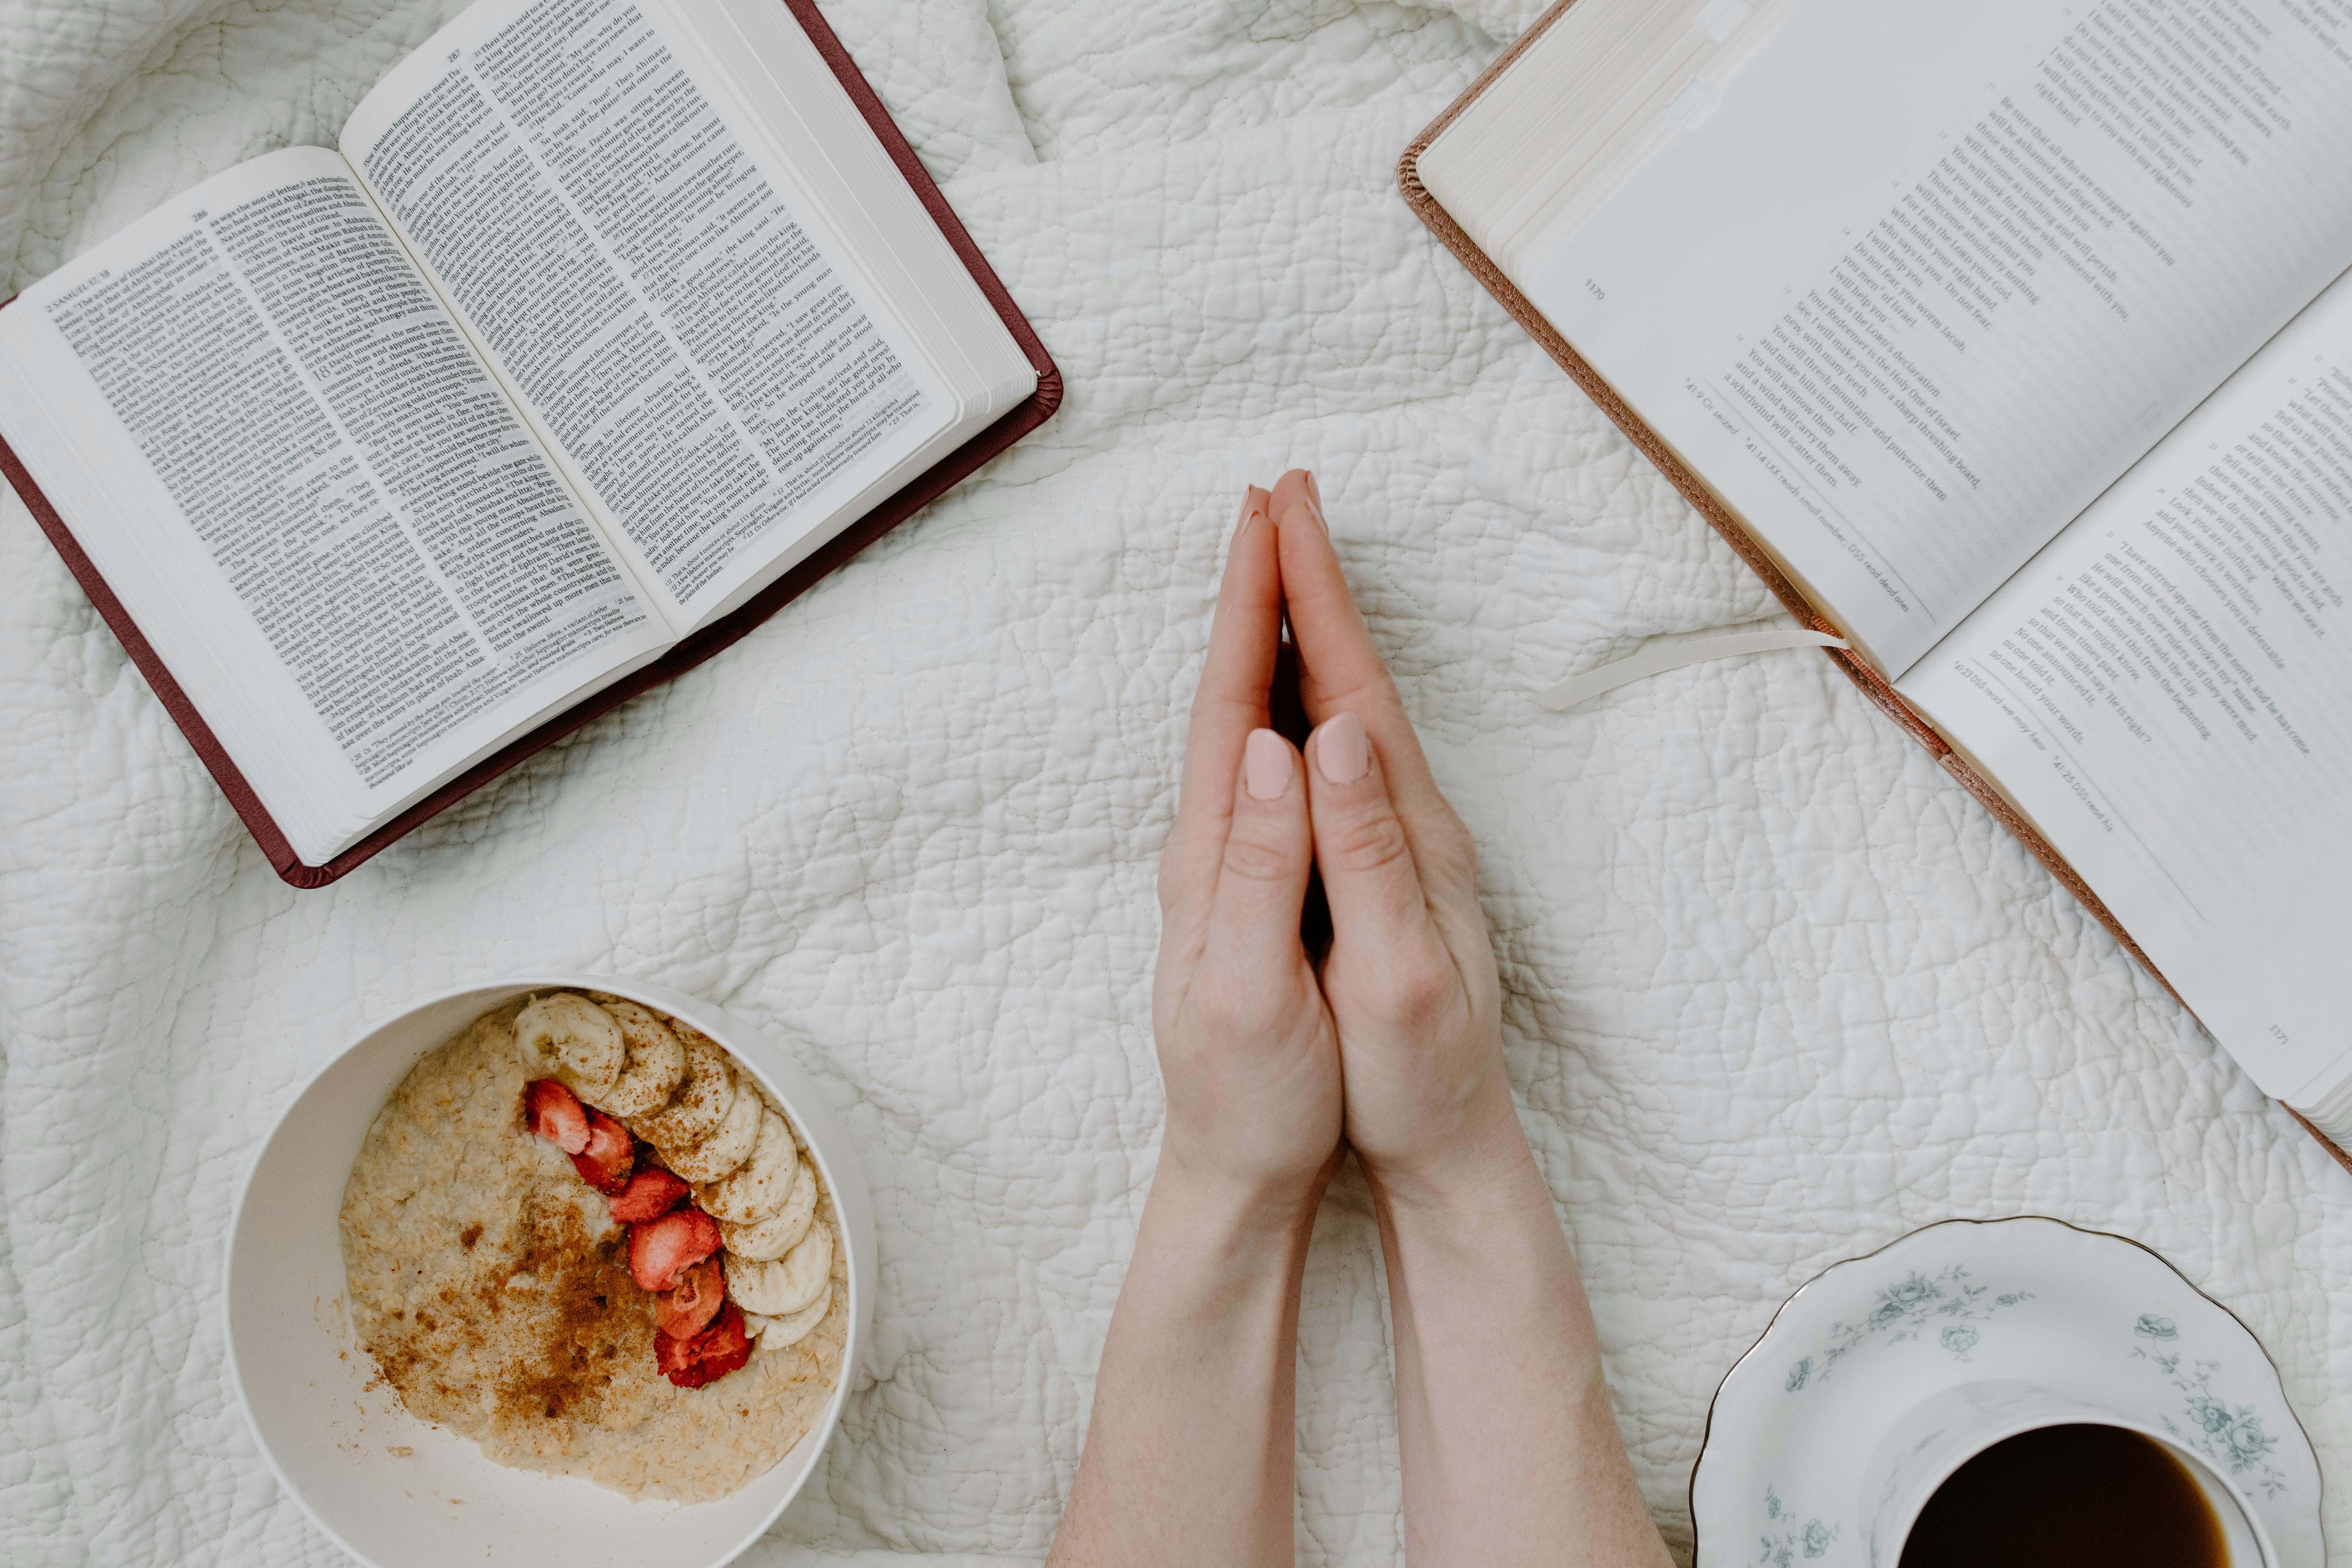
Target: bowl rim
(831, 1164)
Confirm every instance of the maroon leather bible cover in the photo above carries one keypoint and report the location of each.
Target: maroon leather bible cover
(1728, 523)
(926, 488)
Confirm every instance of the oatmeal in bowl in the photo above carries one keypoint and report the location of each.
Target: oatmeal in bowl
(583, 1289)
(582, 1235)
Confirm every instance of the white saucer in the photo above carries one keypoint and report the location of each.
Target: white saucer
(2097, 1317)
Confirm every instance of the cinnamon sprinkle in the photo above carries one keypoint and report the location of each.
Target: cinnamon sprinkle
(591, 1315)
(543, 1325)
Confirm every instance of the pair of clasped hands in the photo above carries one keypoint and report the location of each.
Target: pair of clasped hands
(1276, 1062)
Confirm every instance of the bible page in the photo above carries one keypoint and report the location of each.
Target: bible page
(2167, 691)
(1910, 283)
(311, 495)
(692, 339)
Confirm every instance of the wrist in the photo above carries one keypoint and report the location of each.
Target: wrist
(1482, 1164)
(1481, 1237)
(1218, 1208)
(1464, 1205)
(1218, 1257)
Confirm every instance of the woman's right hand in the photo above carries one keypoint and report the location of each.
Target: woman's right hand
(1411, 977)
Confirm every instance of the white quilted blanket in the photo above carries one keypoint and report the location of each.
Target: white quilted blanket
(1779, 992)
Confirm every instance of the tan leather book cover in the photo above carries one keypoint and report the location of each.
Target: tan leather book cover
(1727, 522)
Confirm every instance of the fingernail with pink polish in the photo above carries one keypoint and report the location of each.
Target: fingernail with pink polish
(1266, 765)
(1315, 501)
(1342, 754)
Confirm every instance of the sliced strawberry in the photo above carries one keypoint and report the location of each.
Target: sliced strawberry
(555, 1113)
(651, 1194)
(661, 1251)
(686, 1309)
(604, 1163)
(712, 1354)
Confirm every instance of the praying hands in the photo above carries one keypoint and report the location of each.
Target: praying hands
(1276, 1060)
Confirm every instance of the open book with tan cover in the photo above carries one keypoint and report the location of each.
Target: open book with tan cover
(2012, 342)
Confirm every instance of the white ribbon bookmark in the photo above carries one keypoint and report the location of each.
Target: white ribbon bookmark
(1661, 656)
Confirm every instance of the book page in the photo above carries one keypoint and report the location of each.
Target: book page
(2167, 691)
(689, 339)
(322, 490)
(1912, 283)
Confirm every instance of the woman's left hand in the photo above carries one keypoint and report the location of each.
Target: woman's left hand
(1248, 1049)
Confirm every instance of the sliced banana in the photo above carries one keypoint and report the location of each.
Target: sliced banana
(535, 1048)
(572, 1038)
(775, 1333)
(761, 1187)
(707, 1159)
(654, 1067)
(788, 1283)
(761, 1241)
(702, 1103)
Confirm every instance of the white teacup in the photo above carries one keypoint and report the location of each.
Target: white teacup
(1940, 1435)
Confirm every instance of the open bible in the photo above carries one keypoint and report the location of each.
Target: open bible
(2007, 341)
(610, 325)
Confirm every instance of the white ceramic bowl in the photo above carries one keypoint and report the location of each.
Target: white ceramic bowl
(393, 1490)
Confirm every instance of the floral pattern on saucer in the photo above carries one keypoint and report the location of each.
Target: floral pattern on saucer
(1906, 1311)
(1783, 1540)
(2230, 1437)
(2088, 1317)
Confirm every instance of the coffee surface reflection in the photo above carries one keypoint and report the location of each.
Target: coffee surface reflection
(2062, 1497)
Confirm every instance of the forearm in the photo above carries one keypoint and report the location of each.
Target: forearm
(1189, 1452)
(1509, 1449)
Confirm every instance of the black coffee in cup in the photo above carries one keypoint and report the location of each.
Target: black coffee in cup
(2064, 1496)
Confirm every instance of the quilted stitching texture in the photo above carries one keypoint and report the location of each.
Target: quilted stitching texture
(1778, 990)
